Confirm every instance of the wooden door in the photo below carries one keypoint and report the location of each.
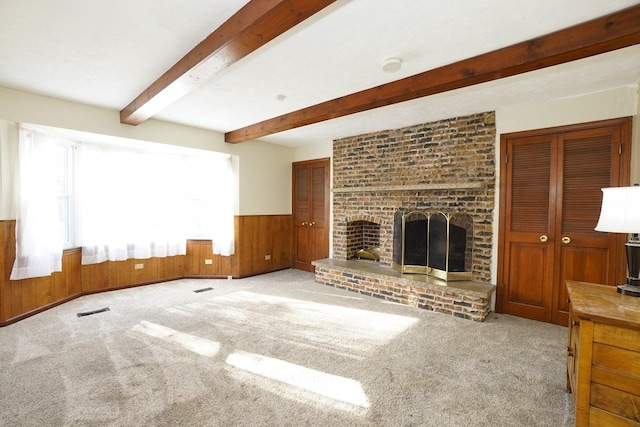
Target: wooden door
(528, 258)
(310, 212)
(550, 204)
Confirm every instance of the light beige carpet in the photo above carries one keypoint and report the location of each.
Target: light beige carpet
(276, 350)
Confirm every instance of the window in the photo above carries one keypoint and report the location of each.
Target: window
(63, 157)
(117, 203)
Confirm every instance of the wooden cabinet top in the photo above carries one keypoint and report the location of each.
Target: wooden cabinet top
(603, 304)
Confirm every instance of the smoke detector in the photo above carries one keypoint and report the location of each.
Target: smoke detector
(391, 65)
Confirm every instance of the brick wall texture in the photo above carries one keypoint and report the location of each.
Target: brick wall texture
(437, 298)
(454, 151)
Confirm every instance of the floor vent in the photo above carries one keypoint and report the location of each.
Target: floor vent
(203, 290)
(89, 313)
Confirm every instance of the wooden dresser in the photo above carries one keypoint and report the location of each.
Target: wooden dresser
(603, 358)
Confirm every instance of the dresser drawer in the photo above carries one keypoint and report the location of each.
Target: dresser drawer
(616, 380)
(615, 401)
(616, 359)
(619, 337)
(615, 383)
(600, 418)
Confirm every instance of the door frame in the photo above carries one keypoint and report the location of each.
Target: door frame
(625, 124)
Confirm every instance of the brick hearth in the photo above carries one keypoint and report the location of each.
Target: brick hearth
(465, 299)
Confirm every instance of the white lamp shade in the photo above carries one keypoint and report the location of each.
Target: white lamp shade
(620, 211)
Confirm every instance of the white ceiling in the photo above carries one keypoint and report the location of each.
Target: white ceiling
(105, 53)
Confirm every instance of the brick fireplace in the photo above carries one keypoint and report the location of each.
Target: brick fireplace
(446, 166)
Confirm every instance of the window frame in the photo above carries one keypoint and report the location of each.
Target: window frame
(66, 195)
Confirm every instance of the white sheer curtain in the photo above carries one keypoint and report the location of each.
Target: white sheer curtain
(129, 204)
(142, 204)
(39, 228)
(223, 234)
(211, 202)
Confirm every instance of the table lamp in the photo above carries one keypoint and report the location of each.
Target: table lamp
(620, 213)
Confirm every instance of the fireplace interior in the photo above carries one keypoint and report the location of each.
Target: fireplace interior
(433, 243)
(363, 240)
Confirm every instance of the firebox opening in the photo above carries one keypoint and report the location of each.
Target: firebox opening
(433, 243)
(363, 240)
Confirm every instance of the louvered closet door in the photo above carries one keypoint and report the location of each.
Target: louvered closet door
(301, 214)
(588, 161)
(528, 254)
(310, 212)
(550, 204)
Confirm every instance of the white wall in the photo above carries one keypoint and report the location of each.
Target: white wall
(620, 102)
(313, 151)
(264, 169)
(265, 184)
(8, 164)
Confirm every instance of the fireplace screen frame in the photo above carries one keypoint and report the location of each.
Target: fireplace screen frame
(424, 262)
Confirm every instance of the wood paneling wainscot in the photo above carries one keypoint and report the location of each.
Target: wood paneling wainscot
(263, 244)
(23, 298)
(7, 257)
(112, 275)
(201, 261)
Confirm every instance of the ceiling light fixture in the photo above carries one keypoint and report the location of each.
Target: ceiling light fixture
(391, 65)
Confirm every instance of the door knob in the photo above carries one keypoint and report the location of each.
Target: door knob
(543, 238)
(304, 223)
(566, 240)
(312, 223)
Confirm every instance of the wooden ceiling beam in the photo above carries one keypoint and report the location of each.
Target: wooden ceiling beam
(253, 26)
(605, 34)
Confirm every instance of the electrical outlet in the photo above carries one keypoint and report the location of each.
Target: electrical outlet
(138, 266)
(208, 261)
(267, 257)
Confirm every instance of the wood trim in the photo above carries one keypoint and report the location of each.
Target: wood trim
(253, 26)
(132, 285)
(8, 321)
(624, 122)
(601, 35)
(425, 187)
